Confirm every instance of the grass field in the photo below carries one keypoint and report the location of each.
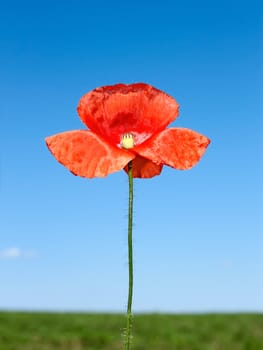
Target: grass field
(71, 331)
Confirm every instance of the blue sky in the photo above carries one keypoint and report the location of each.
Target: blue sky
(197, 234)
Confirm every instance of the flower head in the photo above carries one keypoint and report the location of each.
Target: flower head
(127, 123)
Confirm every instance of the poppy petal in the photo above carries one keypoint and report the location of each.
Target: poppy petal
(86, 154)
(139, 109)
(179, 148)
(144, 168)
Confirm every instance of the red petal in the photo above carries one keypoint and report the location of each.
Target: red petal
(144, 168)
(87, 155)
(177, 147)
(140, 109)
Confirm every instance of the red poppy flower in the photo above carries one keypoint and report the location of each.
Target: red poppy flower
(127, 123)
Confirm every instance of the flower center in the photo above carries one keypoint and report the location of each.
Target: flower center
(127, 141)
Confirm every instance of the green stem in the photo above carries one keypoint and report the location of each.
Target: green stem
(129, 305)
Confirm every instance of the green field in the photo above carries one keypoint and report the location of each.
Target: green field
(72, 331)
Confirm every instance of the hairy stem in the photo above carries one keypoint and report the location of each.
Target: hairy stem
(130, 255)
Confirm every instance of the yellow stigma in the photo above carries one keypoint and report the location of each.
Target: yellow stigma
(127, 141)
